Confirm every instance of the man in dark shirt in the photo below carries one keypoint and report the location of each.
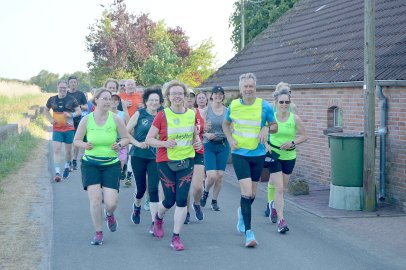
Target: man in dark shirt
(82, 100)
(64, 109)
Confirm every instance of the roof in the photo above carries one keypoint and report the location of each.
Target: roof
(320, 41)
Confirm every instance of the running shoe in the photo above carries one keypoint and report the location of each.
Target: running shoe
(250, 239)
(98, 239)
(128, 180)
(240, 223)
(274, 215)
(203, 199)
(198, 212)
(74, 165)
(267, 211)
(282, 226)
(176, 244)
(66, 173)
(136, 214)
(151, 228)
(111, 222)
(158, 229)
(214, 206)
(146, 204)
(57, 177)
(122, 175)
(70, 166)
(187, 219)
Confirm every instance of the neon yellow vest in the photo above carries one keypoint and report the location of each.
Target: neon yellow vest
(181, 128)
(102, 138)
(286, 133)
(247, 123)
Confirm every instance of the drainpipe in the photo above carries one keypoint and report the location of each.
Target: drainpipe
(383, 130)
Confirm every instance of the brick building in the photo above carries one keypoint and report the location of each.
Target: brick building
(317, 47)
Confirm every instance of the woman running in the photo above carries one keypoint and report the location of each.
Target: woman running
(174, 133)
(142, 156)
(201, 103)
(216, 147)
(100, 164)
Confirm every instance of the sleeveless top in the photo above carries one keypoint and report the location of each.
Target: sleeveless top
(140, 133)
(216, 124)
(286, 133)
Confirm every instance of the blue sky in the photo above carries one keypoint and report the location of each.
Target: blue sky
(50, 34)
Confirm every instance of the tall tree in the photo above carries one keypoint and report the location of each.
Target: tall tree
(45, 80)
(258, 16)
(133, 46)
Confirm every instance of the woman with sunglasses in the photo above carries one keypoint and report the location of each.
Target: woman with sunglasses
(174, 133)
(100, 164)
(281, 162)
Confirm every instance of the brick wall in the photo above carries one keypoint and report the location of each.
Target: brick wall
(313, 160)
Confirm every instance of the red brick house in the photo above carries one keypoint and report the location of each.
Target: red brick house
(317, 47)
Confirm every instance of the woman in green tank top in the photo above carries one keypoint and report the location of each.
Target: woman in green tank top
(100, 164)
(281, 162)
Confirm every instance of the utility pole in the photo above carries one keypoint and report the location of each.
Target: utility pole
(369, 106)
(242, 25)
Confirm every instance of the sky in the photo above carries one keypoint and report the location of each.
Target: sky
(50, 34)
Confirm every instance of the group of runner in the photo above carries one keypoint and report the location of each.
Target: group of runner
(175, 146)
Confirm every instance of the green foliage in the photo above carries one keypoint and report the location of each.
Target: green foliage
(258, 16)
(84, 83)
(46, 80)
(125, 46)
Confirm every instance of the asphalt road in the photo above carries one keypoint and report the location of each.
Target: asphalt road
(214, 243)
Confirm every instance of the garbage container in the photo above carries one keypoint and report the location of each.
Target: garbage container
(347, 159)
(347, 162)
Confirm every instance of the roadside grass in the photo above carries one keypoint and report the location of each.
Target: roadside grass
(15, 150)
(13, 107)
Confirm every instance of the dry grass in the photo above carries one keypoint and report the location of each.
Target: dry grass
(20, 236)
(12, 88)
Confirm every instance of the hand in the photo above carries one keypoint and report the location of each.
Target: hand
(233, 144)
(197, 145)
(210, 136)
(67, 114)
(207, 126)
(128, 103)
(116, 146)
(142, 145)
(88, 146)
(263, 135)
(170, 144)
(286, 145)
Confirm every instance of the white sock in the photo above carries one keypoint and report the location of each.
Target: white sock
(66, 165)
(57, 170)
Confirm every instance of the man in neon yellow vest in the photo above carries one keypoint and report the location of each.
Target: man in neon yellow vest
(252, 119)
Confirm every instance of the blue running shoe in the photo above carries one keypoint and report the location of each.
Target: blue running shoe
(240, 223)
(66, 173)
(187, 219)
(198, 212)
(136, 214)
(250, 239)
(267, 211)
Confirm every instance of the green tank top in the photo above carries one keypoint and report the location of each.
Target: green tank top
(286, 133)
(102, 138)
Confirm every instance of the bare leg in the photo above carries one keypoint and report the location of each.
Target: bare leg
(94, 192)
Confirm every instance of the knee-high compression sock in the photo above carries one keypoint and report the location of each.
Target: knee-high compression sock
(246, 211)
(271, 192)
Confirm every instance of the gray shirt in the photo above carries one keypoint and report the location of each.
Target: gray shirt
(216, 124)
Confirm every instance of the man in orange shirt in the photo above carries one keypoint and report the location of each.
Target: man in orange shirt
(130, 97)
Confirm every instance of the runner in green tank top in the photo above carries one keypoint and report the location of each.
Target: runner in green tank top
(284, 144)
(100, 165)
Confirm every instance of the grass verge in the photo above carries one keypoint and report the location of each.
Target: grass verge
(15, 150)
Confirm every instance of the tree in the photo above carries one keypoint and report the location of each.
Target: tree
(258, 16)
(84, 83)
(45, 80)
(133, 46)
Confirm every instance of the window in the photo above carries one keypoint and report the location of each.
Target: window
(338, 117)
(334, 120)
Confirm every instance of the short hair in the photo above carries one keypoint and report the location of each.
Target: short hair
(167, 87)
(98, 92)
(247, 76)
(113, 81)
(61, 81)
(72, 78)
(155, 89)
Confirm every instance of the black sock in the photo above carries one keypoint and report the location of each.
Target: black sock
(157, 217)
(246, 211)
(175, 234)
(213, 201)
(206, 194)
(252, 200)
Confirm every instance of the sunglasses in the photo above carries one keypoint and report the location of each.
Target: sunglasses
(284, 101)
(122, 84)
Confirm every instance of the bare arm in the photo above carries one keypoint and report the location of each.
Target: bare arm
(300, 131)
(151, 139)
(122, 131)
(48, 115)
(130, 127)
(227, 131)
(80, 134)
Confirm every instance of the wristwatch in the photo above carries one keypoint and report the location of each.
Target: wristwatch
(119, 144)
(293, 144)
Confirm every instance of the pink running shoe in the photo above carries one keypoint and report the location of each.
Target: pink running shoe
(176, 244)
(158, 228)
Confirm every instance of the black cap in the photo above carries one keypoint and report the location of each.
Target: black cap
(217, 89)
